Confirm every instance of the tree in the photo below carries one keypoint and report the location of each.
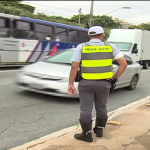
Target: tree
(83, 18)
(18, 4)
(9, 3)
(142, 26)
(26, 7)
(107, 33)
(104, 21)
(134, 27)
(16, 11)
(145, 26)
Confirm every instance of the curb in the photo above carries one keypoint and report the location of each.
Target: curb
(111, 115)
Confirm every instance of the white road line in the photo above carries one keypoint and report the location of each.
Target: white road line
(9, 71)
(146, 71)
(10, 83)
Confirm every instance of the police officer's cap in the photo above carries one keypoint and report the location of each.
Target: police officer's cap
(95, 30)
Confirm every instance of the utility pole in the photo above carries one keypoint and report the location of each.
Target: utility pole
(91, 13)
(79, 15)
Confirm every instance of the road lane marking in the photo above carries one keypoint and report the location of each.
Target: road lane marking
(9, 71)
(146, 71)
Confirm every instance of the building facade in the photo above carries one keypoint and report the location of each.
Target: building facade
(123, 23)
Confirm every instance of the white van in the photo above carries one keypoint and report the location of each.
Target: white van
(133, 42)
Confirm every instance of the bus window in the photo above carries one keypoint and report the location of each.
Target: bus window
(83, 36)
(60, 31)
(4, 27)
(23, 30)
(42, 31)
(73, 36)
(23, 25)
(73, 32)
(61, 38)
(44, 28)
(2, 22)
(61, 34)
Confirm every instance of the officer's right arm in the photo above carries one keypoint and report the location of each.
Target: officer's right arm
(119, 57)
(75, 64)
(77, 53)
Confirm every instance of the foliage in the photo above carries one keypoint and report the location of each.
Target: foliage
(15, 11)
(142, 26)
(145, 26)
(133, 27)
(83, 18)
(19, 9)
(17, 4)
(9, 3)
(107, 32)
(104, 21)
(27, 7)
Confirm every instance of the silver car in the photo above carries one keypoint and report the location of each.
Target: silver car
(51, 75)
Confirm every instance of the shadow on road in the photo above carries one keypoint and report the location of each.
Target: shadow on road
(62, 100)
(48, 98)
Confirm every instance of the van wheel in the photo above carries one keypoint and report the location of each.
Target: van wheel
(145, 65)
(133, 83)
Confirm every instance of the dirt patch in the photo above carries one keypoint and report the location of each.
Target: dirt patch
(144, 106)
(98, 147)
(144, 140)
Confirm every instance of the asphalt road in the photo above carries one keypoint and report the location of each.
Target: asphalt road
(27, 116)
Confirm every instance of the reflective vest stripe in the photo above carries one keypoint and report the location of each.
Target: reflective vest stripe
(97, 63)
(92, 56)
(97, 76)
(96, 69)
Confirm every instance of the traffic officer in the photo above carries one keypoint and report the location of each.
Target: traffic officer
(94, 58)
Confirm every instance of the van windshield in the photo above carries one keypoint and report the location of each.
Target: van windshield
(123, 46)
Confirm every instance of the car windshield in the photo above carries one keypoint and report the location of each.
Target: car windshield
(61, 58)
(123, 46)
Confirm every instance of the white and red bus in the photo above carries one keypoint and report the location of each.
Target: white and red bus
(26, 40)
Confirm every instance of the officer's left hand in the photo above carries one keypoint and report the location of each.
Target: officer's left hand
(113, 84)
(72, 90)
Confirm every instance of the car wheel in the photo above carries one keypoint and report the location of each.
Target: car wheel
(133, 82)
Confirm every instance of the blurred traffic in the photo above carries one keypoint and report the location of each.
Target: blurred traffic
(51, 75)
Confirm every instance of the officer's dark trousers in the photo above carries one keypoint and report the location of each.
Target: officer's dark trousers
(93, 92)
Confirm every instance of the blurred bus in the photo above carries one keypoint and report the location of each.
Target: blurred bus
(26, 40)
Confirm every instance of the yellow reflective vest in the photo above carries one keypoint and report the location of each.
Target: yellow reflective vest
(97, 62)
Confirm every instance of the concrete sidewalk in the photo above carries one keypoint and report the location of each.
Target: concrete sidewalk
(133, 133)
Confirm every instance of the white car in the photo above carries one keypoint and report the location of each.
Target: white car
(51, 75)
